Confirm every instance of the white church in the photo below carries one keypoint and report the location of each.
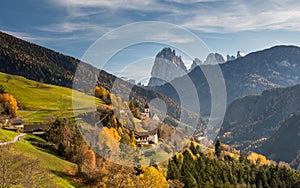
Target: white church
(146, 114)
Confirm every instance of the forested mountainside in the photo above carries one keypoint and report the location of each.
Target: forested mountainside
(263, 121)
(275, 67)
(286, 141)
(195, 168)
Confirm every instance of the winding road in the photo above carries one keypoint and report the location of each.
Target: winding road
(17, 138)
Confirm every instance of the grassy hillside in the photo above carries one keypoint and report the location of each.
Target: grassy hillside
(54, 165)
(38, 101)
(6, 136)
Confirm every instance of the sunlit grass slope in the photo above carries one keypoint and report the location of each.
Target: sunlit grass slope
(40, 100)
(53, 164)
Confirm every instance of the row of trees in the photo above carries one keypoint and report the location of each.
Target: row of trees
(109, 98)
(195, 169)
(135, 109)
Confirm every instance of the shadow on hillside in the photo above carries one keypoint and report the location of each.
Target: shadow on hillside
(43, 146)
(69, 177)
(31, 139)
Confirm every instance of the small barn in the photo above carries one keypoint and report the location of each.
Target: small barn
(37, 129)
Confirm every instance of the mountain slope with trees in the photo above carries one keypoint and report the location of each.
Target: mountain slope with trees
(260, 122)
(287, 142)
(197, 169)
(278, 66)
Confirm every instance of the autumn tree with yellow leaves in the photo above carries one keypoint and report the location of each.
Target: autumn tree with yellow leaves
(258, 159)
(153, 177)
(8, 105)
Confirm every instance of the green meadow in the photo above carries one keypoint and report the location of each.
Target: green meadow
(56, 167)
(38, 100)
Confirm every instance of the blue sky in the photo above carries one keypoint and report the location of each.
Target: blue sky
(225, 26)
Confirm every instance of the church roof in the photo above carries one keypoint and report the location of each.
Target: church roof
(146, 105)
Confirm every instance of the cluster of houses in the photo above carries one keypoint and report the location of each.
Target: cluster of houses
(142, 138)
(150, 137)
(18, 125)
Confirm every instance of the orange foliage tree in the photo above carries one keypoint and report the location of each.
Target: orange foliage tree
(9, 105)
(258, 159)
(90, 159)
(101, 93)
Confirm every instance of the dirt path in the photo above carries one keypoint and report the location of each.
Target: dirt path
(16, 139)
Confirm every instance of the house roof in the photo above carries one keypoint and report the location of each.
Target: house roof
(149, 133)
(155, 117)
(16, 121)
(35, 127)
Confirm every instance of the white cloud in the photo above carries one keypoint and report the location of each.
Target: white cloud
(94, 18)
(114, 4)
(244, 16)
(192, 1)
(217, 17)
(34, 38)
(38, 38)
(169, 38)
(68, 27)
(22, 35)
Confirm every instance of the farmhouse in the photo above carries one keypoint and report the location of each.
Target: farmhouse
(13, 124)
(16, 123)
(143, 138)
(37, 129)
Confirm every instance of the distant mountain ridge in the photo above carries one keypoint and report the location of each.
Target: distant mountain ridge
(168, 66)
(278, 66)
(211, 59)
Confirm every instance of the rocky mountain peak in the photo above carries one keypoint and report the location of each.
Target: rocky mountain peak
(230, 58)
(240, 54)
(170, 56)
(167, 66)
(211, 59)
(166, 53)
(196, 62)
(214, 58)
